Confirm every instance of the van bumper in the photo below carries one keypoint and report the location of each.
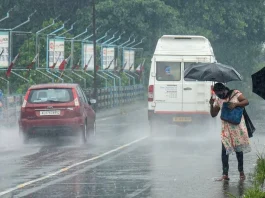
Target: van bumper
(177, 117)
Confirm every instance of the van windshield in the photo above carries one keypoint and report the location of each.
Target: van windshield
(168, 71)
(186, 66)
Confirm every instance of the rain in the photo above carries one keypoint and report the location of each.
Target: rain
(132, 99)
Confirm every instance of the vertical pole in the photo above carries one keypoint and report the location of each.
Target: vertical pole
(8, 89)
(47, 53)
(95, 51)
(10, 46)
(72, 53)
(37, 50)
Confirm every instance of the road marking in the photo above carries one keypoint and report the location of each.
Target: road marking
(69, 167)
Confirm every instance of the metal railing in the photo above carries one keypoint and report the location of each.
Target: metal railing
(10, 111)
(117, 96)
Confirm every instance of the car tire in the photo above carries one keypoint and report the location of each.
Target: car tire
(94, 129)
(24, 136)
(84, 133)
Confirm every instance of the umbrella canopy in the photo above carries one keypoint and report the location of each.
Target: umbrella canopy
(216, 72)
(258, 83)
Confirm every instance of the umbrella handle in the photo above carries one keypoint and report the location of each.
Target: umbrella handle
(212, 92)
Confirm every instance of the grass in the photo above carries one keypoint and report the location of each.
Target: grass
(260, 170)
(256, 191)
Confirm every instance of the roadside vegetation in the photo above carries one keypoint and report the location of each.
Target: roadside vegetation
(258, 178)
(235, 29)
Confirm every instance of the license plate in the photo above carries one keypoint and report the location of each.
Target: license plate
(182, 119)
(45, 113)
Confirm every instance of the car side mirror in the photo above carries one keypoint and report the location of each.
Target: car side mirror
(153, 74)
(93, 101)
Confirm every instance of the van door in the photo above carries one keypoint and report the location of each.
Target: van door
(195, 94)
(168, 87)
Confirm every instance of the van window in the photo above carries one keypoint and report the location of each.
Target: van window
(186, 66)
(168, 71)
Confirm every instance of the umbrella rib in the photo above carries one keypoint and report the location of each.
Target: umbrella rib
(201, 76)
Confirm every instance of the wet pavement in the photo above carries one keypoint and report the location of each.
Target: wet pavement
(122, 160)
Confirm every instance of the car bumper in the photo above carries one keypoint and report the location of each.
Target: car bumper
(69, 126)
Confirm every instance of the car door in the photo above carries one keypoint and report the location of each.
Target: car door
(82, 101)
(90, 114)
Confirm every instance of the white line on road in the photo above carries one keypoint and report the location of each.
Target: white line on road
(69, 167)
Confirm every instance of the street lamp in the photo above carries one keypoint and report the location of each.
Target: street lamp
(95, 51)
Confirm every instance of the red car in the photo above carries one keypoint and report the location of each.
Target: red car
(60, 109)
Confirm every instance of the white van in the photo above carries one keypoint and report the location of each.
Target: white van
(172, 99)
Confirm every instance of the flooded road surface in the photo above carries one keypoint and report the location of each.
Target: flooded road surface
(122, 160)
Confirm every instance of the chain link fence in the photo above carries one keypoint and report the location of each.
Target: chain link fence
(107, 98)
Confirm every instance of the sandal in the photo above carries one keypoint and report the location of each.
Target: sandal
(242, 176)
(224, 178)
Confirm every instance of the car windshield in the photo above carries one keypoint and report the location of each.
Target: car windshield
(50, 95)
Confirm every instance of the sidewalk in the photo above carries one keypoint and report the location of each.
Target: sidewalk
(121, 109)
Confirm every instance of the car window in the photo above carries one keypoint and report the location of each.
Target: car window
(168, 71)
(50, 95)
(84, 95)
(186, 66)
(80, 95)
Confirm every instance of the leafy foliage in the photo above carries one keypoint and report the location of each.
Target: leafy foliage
(236, 30)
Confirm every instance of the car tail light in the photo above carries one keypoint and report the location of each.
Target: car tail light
(25, 99)
(76, 101)
(150, 93)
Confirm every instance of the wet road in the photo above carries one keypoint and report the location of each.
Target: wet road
(121, 161)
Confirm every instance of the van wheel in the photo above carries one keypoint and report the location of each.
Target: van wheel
(153, 128)
(182, 130)
(84, 133)
(208, 126)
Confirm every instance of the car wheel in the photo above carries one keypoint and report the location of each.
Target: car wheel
(84, 133)
(24, 136)
(94, 129)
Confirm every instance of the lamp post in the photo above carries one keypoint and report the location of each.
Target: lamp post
(95, 51)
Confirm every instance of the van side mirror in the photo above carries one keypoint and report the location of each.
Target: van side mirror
(153, 74)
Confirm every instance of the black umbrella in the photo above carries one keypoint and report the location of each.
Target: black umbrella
(258, 83)
(216, 72)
